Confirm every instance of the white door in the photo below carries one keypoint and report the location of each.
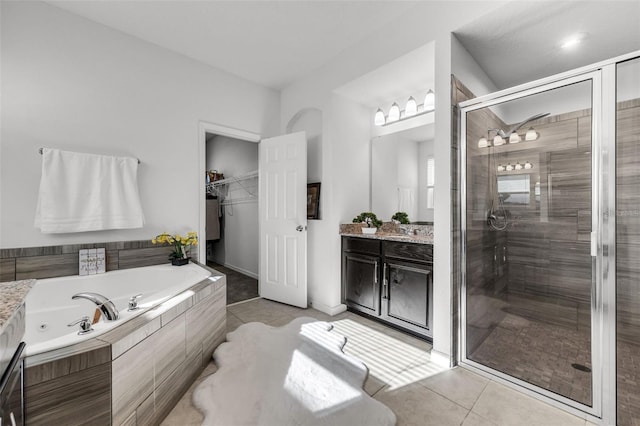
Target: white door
(283, 219)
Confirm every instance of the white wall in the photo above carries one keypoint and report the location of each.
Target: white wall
(344, 198)
(72, 84)
(238, 245)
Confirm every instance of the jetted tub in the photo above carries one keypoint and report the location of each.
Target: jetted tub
(49, 307)
(130, 370)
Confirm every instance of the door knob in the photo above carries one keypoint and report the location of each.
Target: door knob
(299, 228)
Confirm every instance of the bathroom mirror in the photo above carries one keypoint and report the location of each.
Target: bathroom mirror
(402, 174)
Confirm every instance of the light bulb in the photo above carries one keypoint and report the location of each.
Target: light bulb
(509, 167)
(483, 143)
(531, 135)
(378, 119)
(500, 168)
(514, 137)
(411, 108)
(429, 101)
(518, 166)
(497, 141)
(528, 165)
(394, 113)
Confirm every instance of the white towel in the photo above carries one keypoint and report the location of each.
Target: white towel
(407, 201)
(87, 192)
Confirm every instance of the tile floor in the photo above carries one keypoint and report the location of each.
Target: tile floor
(239, 286)
(401, 376)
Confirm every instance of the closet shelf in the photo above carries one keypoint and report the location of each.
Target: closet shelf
(234, 179)
(217, 187)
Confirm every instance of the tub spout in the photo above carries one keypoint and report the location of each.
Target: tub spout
(105, 305)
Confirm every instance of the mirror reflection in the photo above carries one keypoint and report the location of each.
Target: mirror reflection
(402, 174)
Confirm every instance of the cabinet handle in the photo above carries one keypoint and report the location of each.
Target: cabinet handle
(375, 273)
(384, 281)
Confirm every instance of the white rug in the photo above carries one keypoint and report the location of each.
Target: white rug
(292, 375)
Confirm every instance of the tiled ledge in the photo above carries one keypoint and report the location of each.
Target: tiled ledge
(57, 261)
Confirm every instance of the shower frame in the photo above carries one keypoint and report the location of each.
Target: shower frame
(603, 237)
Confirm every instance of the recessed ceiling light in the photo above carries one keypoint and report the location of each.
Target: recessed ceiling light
(573, 40)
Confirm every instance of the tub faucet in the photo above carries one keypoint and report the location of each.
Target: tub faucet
(105, 305)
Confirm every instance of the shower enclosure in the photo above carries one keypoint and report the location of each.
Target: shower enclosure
(540, 183)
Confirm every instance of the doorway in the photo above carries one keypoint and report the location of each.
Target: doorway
(229, 212)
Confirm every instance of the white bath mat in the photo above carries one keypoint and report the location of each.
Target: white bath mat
(292, 375)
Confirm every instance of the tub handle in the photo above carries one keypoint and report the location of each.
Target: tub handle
(85, 325)
(133, 302)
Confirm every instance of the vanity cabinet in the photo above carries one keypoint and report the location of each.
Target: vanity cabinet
(390, 281)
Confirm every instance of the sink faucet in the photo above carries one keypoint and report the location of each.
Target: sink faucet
(105, 305)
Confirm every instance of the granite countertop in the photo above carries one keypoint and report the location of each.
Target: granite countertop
(12, 295)
(421, 234)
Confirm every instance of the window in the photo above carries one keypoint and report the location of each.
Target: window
(430, 179)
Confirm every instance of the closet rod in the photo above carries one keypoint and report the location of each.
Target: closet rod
(40, 151)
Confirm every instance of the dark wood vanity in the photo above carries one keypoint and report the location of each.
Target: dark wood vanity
(390, 281)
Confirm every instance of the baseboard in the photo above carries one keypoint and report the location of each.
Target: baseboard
(329, 310)
(241, 270)
(440, 358)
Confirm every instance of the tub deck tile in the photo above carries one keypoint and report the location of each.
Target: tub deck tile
(64, 366)
(67, 351)
(132, 380)
(168, 346)
(75, 399)
(46, 266)
(7, 270)
(130, 334)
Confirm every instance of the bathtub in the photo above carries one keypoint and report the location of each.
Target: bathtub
(49, 307)
(134, 369)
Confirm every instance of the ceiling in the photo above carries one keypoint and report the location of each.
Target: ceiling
(271, 43)
(521, 41)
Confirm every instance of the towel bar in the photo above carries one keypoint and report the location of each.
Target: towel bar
(40, 151)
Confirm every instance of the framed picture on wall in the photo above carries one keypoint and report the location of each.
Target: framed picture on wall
(313, 200)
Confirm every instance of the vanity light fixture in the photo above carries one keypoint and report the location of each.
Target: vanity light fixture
(518, 166)
(411, 109)
(512, 135)
(379, 118)
(429, 100)
(394, 113)
(497, 140)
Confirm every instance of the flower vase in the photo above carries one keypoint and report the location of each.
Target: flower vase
(179, 261)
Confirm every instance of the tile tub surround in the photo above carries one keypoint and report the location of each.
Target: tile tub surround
(422, 234)
(58, 261)
(135, 373)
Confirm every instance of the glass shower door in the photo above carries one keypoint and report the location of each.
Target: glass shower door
(628, 242)
(528, 272)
